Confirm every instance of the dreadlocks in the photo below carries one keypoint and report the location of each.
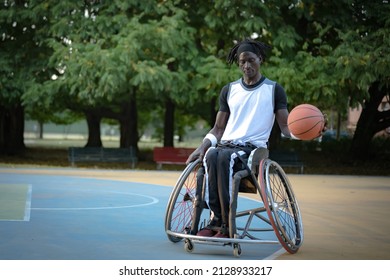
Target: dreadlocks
(247, 44)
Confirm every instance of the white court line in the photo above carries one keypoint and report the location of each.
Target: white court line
(154, 201)
(27, 208)
(276, 254)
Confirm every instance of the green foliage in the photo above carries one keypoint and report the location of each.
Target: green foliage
(212, 74)
(61, 56)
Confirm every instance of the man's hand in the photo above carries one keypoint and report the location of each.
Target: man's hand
(198, 153)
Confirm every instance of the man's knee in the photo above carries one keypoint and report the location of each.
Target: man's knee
(224, 156)
(211, 155)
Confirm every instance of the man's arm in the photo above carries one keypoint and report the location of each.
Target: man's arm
(216, 131)
(281, 116)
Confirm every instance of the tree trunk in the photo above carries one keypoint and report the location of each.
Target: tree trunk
(370, 122)
(93, 122)
(169, 128)
(40, 127)
(129, 124)
(12, 130)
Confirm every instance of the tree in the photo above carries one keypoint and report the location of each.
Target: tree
(106, 68)
(334, 55)
(124, 60)
(365, 61)
(23, 59)
(162, 68)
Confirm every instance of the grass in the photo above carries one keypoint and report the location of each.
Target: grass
(328, 160)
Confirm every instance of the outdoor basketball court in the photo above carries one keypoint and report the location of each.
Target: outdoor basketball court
(86, 214)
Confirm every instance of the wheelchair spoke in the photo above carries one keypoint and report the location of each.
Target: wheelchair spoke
(283, 209)
(281, 206)
(180, 209)
(182, 217)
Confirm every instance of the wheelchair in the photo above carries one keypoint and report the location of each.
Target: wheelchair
(274, 211)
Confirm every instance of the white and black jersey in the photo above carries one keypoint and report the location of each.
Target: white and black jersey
(251, 110)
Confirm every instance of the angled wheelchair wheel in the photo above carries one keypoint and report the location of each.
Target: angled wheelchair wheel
(281, 205)
(180, 207)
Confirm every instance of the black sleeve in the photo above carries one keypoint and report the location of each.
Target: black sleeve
(223, 104)
(280, 98)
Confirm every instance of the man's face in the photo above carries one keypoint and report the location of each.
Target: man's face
(249, 64)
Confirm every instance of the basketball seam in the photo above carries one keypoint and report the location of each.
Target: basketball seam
(309, 117)
(296, 134)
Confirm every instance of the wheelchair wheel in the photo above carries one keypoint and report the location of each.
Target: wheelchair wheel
(180, 207)
(281, 205)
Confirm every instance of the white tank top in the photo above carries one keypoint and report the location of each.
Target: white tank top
(251, 113)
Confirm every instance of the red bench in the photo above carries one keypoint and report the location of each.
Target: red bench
(170, 155)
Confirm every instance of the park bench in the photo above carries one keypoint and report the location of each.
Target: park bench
(99, 154)
(170, 155)
(287, 159)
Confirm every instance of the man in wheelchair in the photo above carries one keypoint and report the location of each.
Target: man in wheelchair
(248, 108)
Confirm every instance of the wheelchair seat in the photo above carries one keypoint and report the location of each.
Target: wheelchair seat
(246, 182)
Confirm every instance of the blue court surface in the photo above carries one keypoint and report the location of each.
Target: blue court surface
(76, 218)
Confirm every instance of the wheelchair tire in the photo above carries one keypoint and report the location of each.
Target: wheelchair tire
(281, 205)
(180, 207)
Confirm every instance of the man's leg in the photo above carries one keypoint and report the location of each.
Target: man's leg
(228, 163)
(212, 198)
(225, 165)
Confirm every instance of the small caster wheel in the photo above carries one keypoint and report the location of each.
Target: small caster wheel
(188, 246)
(236, 250)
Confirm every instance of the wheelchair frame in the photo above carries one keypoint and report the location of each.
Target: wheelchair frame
(277, 210)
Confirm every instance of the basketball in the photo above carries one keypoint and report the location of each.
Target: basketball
(306, 122)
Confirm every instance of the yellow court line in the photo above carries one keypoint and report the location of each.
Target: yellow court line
(15, 202)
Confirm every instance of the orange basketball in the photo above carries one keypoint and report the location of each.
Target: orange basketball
(306, 122)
